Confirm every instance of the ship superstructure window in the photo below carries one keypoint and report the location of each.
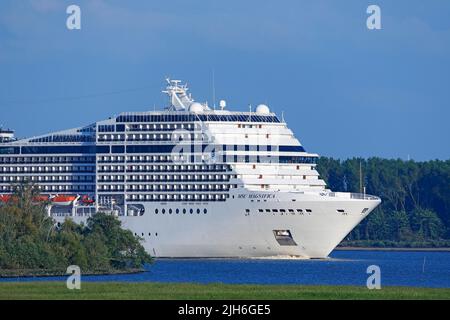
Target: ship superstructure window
(245, 118)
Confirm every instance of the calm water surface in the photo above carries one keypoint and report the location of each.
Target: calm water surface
(417, 269)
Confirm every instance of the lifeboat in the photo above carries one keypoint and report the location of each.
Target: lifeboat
(40, 198)
(64, 200)
(87, 200)
(5, 197)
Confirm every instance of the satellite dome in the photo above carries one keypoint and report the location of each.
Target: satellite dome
(262, 109)
(196, 107)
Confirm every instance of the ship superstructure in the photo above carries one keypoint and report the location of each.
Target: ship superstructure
(190, 180)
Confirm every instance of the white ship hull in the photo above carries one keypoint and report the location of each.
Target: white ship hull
(228, 230)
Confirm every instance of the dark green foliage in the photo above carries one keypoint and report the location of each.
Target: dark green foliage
(29, 239)
(416, 199)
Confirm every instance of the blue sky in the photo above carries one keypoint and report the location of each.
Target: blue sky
(345, 90)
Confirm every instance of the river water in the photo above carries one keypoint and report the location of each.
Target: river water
(398, 268)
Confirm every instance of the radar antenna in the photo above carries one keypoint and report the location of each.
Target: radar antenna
(179, 99)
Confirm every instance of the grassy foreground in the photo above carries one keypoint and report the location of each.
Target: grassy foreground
(188, 291)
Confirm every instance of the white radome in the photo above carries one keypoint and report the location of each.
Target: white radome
(262, 109)
(196, 107)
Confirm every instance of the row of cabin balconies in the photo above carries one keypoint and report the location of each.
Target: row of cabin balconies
(176, 168)
(176, 197)
(177, 187)
(46, 160)
(48, 179)
(121, 179)
(46, 169)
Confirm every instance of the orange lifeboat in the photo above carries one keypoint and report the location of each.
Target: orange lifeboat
(40, 198)
(5, 198)
(64, 200)
(87, 200)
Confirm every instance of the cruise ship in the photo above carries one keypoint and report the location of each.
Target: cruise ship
(190, 180)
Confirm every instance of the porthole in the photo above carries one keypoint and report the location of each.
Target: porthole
(149, 234)
(156, 211)
(184, 211)
(191, 211)
(198, 211)
(170, 211)
(205, 211)
(177, 211)
(156, 234)
(163, 211)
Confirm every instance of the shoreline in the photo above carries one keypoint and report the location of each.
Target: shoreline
(442, 249)
(53, 274)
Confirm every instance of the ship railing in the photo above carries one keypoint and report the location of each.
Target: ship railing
(352, 195)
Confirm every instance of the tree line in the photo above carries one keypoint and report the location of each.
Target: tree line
(415, 208)
(31, 240)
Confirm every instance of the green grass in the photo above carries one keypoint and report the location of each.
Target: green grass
(189, 291)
